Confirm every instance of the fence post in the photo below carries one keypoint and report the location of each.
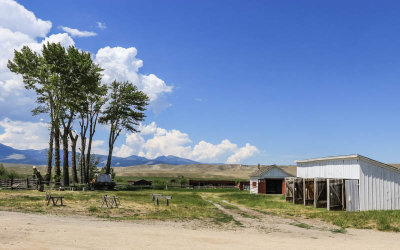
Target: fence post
(27, 183)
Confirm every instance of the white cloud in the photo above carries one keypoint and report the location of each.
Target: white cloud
(101, 25)
(154, 141)
(77, 33)
(242, 153)
(63, 38)
(121, 64)
(23, 135)
(16, 157)
(19, 27)
(16, 18)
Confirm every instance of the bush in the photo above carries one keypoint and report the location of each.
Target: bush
(12, 174)
(3, 170)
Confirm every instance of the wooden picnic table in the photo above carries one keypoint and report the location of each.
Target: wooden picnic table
(54, 200)
(110, 202)
(155, 198)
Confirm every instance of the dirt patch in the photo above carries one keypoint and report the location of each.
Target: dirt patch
(33, 231)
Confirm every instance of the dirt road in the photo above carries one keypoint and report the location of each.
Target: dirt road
(33, 231)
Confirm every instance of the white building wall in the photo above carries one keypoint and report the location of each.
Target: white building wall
(379, 187)
(253, 190)
(341, 169)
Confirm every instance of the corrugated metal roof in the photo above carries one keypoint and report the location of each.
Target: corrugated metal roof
(353, 156)
(290, 170)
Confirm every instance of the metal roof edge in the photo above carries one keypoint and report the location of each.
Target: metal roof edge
(338, 157)
(358, 156)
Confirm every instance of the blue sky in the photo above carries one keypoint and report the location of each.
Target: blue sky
(293, 79)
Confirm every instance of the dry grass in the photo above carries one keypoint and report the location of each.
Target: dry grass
(135, 205)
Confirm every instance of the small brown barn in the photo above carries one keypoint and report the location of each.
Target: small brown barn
(271, 179)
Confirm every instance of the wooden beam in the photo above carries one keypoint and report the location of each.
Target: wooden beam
(294, 190)
(304, 191)
(315, 193)
(328, 195)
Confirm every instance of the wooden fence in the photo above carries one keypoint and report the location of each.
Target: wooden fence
(20, 183)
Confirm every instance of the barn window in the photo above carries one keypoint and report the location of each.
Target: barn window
(254, 184)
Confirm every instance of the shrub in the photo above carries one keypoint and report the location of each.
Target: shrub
(3, 170)
(12, 174)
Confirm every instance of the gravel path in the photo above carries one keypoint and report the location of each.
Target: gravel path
(34, 231)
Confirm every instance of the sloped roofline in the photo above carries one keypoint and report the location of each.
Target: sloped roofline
(266, 169)
(353, 156)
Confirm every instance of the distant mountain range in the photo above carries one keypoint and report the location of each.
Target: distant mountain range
(39, 157)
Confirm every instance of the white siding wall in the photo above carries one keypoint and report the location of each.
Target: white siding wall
(253, 190)
(379, 187)
(341, 169)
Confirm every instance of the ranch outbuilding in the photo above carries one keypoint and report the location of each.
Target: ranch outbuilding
(270, 179)
(350, 182)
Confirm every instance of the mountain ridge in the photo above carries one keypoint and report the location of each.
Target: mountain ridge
(39, 157)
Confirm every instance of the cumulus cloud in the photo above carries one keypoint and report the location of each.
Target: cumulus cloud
(77, 33)
(19, 27)
(23, 135)
(16, 18)
(154, 141)
(121, 64)
(16, 157)
(242, 153)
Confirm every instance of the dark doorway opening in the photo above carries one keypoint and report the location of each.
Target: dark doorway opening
(274, 186)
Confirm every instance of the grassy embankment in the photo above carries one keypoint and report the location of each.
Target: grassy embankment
(276, 205)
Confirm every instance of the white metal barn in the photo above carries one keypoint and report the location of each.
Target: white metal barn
(369, 184)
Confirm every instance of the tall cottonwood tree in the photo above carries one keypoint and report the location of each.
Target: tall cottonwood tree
(96, 100)
(62, 79)
(124, 111)
(89, 108)
(43, 73)
(83, 77)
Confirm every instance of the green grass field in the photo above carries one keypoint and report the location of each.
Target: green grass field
(135, 205)
(187, 204)
(276, 205)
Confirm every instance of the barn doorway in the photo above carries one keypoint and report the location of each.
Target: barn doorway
(274, 186)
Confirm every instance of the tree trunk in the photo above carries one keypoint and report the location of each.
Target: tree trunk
(50, 156)
(108, 165)
(110, 150)
(89, 147)
(73, 157)
(92, 130)
(65, 156)
(82, 159)
(57, 177)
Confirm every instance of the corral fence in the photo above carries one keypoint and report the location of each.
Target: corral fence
(121, 186)
(32, 184)
(19, 183)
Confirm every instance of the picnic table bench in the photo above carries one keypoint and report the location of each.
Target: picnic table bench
(111, 202)
(54, 200)
(155, 198)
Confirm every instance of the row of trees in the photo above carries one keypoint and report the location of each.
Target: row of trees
(68, 88)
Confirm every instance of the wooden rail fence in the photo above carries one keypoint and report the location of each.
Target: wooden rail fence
(20, 183)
